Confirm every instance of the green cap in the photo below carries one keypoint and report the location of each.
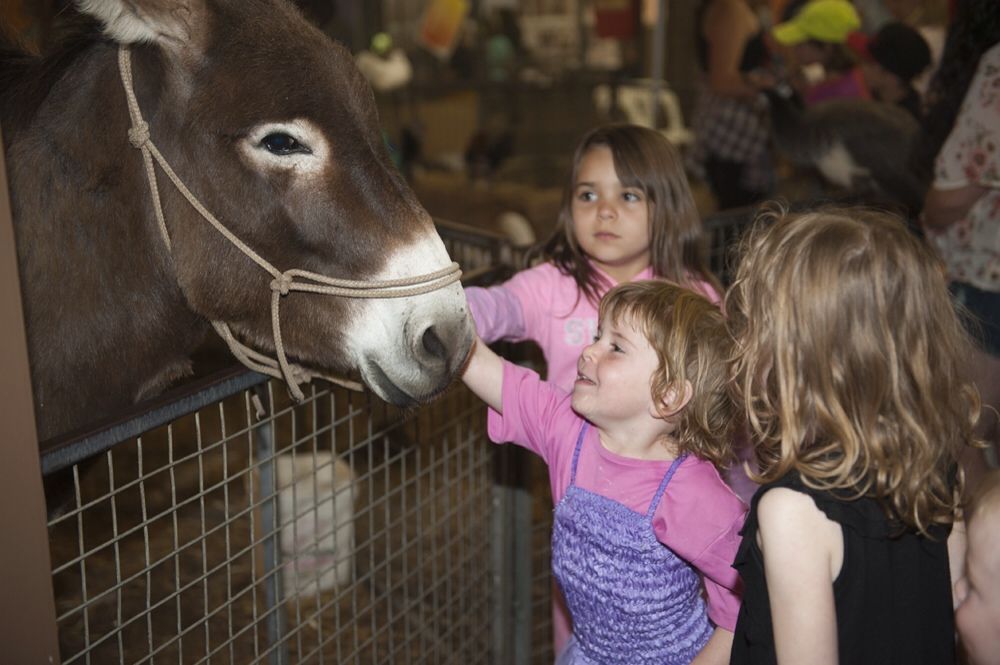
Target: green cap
(820, 20)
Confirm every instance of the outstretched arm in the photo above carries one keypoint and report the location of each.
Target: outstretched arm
(484, 375)
(497, 313)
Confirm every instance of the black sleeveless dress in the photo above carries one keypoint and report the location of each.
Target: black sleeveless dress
(893, 595)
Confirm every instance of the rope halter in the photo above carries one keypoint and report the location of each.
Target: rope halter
(282, 283)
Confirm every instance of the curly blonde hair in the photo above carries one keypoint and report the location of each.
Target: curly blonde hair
(850, 360)
(688, 334)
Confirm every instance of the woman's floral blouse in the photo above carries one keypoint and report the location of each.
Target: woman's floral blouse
(971, 155)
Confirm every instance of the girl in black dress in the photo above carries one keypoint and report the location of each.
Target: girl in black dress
(850, 366)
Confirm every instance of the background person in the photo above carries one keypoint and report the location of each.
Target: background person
(816, 35)
(961, 214)
(891, 60)
(732, 134)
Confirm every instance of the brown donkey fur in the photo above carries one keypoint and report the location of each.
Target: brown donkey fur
(272, 127)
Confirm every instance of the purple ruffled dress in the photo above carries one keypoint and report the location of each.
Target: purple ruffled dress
(631, 598)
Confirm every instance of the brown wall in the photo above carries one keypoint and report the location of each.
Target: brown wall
(27, 609)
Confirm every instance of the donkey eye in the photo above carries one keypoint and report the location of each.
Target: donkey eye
(279, 143)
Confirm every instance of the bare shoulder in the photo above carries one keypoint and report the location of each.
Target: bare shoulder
(790, 524)
(782, 503)
(718, 7)
(728, 16)
(785, 510)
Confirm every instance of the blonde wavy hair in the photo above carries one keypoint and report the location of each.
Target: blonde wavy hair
(688, 334)
(850, 360)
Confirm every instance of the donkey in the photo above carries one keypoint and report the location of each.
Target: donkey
(274, 131)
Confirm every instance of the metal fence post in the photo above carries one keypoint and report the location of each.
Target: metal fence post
(521, 501)
(500, 560)
(271, 542)
(511, 554)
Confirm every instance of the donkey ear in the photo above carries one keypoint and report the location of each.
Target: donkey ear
(173, 24)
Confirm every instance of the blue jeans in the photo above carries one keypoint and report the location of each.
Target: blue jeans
(984, 308)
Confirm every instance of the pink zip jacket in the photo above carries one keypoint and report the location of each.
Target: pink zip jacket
(543, 305)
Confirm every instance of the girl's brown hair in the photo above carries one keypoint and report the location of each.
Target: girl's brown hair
(688, 334)
(850, 360)
(646, 160)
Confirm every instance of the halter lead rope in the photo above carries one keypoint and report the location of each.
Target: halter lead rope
(282, 283)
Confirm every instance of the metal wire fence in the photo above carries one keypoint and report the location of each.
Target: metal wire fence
(337, 530)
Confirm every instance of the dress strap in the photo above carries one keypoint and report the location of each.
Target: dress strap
(576, 452)
(663, 486)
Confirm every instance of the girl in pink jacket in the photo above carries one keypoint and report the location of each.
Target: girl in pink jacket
(627, 214)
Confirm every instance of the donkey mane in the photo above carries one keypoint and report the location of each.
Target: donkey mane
(29, 77)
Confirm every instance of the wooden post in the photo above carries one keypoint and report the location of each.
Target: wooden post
(28, 630)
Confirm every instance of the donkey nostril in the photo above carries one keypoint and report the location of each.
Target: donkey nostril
(433, 344)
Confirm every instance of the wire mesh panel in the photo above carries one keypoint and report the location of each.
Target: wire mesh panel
(542, 579)
(360, 536)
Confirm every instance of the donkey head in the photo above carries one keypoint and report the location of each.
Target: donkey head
(272, 127)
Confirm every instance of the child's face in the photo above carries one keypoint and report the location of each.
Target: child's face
(810, 53)
(880, 81)
(978, 614)
(614, 376)
(611, 222)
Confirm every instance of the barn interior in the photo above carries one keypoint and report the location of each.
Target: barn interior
(481, 104)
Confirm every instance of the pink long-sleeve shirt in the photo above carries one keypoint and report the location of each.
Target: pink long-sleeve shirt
(545, 306)
(699, 517)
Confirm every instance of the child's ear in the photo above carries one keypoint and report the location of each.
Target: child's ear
(677, 397)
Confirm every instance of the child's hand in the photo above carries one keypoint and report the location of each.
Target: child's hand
(484, 375)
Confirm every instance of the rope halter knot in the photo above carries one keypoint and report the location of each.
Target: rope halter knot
(283, 282)
(138, 134)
